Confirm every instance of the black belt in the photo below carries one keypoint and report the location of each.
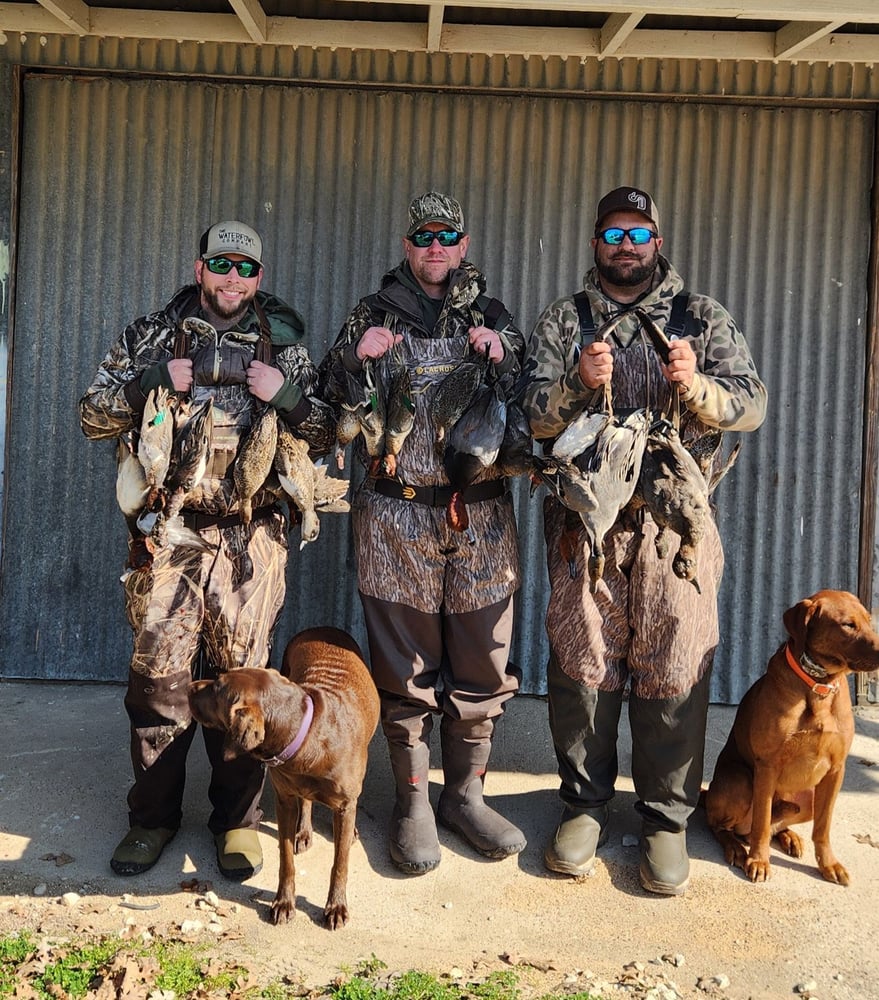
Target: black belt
(439, 496)
(198, 521)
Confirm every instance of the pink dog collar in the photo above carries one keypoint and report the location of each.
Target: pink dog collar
(298, 739)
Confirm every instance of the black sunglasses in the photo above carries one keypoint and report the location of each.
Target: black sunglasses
(639, 236)
(222, 265)
(446, 238)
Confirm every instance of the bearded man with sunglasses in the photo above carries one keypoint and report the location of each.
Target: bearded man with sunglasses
(209, 607)
(438, 606)
(643, 628)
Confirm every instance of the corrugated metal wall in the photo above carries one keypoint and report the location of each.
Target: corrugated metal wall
(765, 208)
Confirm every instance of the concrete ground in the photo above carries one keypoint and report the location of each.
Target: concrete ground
(64, 773)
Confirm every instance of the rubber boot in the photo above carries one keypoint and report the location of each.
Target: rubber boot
(668, 749)
(466, 747)
(414, 845)
(584, 723)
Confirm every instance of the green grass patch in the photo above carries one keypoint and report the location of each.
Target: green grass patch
(78, 970)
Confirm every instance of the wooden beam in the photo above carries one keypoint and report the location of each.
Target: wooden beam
(615, 30)
(253, 17)
(488, 40)
(798, 35)
(73, 13)
(435, 26)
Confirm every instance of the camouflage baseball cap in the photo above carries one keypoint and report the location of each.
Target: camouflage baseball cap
(626, 199)
(231, 237)
(435, 207)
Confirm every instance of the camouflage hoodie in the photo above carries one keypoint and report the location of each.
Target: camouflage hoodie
(726, 392)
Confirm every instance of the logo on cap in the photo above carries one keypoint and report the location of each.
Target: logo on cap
(639, 201)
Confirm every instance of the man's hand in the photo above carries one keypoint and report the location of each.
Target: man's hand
(485, 341)
(264, 381)
(375, 342)
(180, 371)
(681, 364)
(596, 364)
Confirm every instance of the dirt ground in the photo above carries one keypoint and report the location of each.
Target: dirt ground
(63, 778)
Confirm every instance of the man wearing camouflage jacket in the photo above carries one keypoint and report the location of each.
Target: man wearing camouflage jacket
(438, 606)
(643, 627)
(210, 606)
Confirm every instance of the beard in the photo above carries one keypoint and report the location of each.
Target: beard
(223, 310)
(626, 273)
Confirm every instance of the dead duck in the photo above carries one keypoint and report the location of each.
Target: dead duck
(254, 460)
(473, 445)
(399, 413)
(600, 482)
(156, 440)
(295, 471)
(132, 488)
(190, 452)
(672, 488)
(454, 394)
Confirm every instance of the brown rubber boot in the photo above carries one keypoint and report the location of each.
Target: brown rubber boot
(461, 806)
(578, 836)
(413, 845)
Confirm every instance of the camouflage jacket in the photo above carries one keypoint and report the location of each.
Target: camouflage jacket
(396, 302)
(726, 392)
(113, 404)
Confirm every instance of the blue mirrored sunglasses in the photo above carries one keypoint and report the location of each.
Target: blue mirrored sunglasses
(445, 237)
(639, 236)
(222, 265)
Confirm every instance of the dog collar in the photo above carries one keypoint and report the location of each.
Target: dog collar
(298, 739)
(806, 673)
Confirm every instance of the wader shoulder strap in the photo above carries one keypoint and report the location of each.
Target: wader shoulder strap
(263, 351)
(677, 321)
(587, 322)
(494, 313)
(181, 343)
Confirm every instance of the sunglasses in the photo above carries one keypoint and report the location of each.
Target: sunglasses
(445, 237)
(639, 236)
(222, 265)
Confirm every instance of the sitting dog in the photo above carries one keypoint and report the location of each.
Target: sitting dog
(784, 761)
(311, 724)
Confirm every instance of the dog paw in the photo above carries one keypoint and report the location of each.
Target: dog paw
(791, 843)
(756, 870)
(834, 873)
(335, 916)
(283, 910)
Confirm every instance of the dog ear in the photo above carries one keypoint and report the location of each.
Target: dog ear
(247, 726)
(796, 621)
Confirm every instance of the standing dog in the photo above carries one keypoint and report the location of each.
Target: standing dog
(312, 728)
(784, 760)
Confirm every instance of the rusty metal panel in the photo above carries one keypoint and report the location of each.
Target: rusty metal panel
(764, 208)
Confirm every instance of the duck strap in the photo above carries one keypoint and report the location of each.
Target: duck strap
(181, 343)
(263, 351)
(675, 326)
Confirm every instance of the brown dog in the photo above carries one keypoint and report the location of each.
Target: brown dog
(312, 727)
(784, 760)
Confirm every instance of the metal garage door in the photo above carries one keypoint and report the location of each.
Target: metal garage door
(765, 208)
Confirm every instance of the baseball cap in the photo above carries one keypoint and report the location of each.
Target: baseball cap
(435, 207)
(231, 237)
(626, 199)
